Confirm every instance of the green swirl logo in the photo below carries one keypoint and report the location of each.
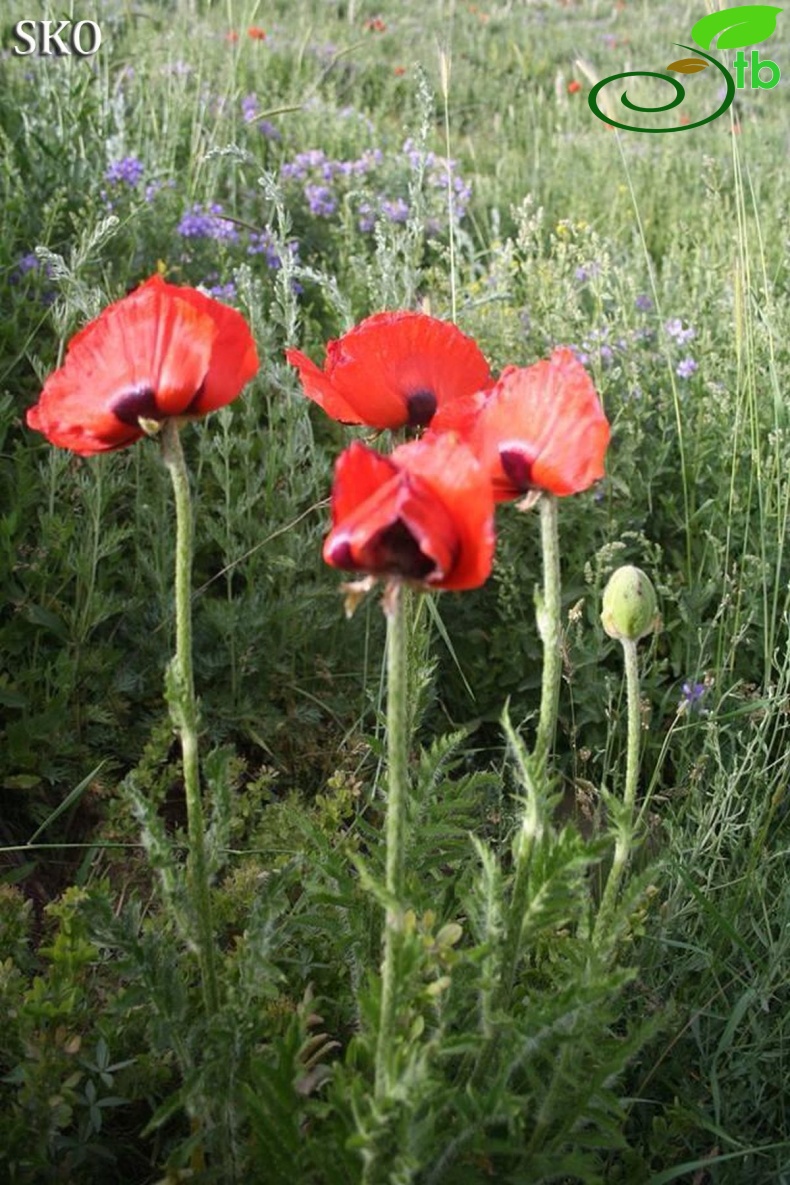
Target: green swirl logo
(735, 28)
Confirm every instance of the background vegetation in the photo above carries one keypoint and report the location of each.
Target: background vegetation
(303, 176)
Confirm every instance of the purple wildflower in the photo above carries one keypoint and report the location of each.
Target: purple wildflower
(321, 200)
(127, 171)
(395, 211)
(370, 159)
(676, 330)
(367, 217)
(249, 111)
(418, 157)
(31, 265)
(263, 243)
(644, 304)
(692, 697)
(298, 168)
(587, 272)
(686, 368)
(221, 291)
(28, 263)
(249, 107)
(155, 187)
(200, 223)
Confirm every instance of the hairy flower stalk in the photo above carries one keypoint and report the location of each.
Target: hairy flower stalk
(183, 711)
(549, 614)
(629, 613)
(397, 803)
(529, 834)
(526, 840)
(625, 830)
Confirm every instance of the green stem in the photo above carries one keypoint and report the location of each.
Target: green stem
(397, 800)
(625, 831)
(530, 831)
(550, 628)
(183, 710)
(498, 1003)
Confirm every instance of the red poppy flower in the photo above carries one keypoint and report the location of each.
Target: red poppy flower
(574, 86)
(540, 427)
(393, 369)
(256, 33)
(160, 351)
(424, 514)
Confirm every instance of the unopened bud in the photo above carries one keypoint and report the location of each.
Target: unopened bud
(630, 610)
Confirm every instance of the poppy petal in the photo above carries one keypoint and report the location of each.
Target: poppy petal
(234, 358)
(542, 427)
(319, 388)
(424, 514)
(160, 351)
(394, 369)
(359, 472)
(431, 525)
(400, 530)
(450, 468)
(459, 415)
(145, 350)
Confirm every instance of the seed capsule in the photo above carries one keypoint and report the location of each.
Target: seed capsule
(630, 610)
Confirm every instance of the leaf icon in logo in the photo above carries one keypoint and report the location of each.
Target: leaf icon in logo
(688, 65)
(736, 27)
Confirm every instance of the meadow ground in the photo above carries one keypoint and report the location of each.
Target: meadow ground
(311, 163)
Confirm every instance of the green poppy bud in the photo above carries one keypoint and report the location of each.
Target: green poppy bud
(630, 610)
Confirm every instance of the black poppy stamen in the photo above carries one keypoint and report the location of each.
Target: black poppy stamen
(342, 556)
(421, 407)
(517, 466)
(133, 406)
(395, 550)
(188, 411)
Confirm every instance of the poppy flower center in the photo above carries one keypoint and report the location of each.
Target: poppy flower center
(342, 556)
(395, 550)
(517, 464)
(421, 407)
(134, 405)
(192, 408)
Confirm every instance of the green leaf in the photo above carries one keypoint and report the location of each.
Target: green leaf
(21, 781)
(72, 797)
(13, 876)
(736, 27)
(706, 1162)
